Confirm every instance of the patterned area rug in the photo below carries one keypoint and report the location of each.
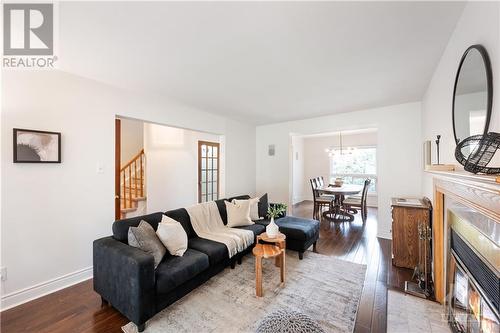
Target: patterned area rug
(325, 288)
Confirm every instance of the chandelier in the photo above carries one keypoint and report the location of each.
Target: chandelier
(333, 151)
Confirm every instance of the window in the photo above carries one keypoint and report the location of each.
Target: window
(208, 171)
(354, 166)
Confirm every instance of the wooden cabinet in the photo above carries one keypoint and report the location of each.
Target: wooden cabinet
(406, 218)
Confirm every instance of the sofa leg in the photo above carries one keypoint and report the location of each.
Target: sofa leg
(314, 247)
(104, 302)
(141, 327)
(239, 261)
(233, 264)
(301, 255)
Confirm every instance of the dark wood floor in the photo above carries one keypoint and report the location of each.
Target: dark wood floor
(78, 308)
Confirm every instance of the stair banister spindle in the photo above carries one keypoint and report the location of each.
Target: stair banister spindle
(130, 186)
(141, 176)
(135, 179)
(133, 187)
(124, 192)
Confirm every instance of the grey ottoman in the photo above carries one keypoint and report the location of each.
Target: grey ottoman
(300, 233)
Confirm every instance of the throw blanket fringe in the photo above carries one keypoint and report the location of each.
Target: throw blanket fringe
(207, 223)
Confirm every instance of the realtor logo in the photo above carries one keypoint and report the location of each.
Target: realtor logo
(28, 36)
(28, 29)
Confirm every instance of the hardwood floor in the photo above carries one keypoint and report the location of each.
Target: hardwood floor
(78, 308)
(357, 242)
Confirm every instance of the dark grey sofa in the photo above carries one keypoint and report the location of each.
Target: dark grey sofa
(125, 276)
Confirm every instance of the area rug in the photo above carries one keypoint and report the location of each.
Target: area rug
(324, 288)
(406, 313)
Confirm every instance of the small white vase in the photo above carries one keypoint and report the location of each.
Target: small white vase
(272, 229)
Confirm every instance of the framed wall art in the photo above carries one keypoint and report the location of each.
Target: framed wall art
(31, 146)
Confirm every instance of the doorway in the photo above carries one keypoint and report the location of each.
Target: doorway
(208, 171)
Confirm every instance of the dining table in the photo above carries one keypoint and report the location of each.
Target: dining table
(337, 212)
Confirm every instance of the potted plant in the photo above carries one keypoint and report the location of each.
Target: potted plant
(274, 211)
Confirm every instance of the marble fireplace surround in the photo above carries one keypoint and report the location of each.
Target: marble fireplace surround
(479, 192)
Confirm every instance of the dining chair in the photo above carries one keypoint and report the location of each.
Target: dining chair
(319, 201)
(321, 181)
(358, 202)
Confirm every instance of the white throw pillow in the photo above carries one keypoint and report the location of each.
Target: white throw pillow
(166, 219)
(254, 207)
(173, 236)
(238, 213)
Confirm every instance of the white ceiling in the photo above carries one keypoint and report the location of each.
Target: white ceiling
(261, 62)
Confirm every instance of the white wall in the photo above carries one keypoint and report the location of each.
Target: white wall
(399, 151)
(172, 166)
(132, 139)
(479, 24)
(51, 213)
(317, 161)
(298, 162)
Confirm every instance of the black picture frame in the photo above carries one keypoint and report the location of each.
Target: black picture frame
(16, 146)
(489, 81)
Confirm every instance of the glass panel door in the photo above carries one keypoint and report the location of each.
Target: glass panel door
(208, 171)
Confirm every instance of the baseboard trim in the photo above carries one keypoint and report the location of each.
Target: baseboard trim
(48, 287)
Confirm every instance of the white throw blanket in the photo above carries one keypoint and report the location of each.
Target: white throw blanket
(207, 223)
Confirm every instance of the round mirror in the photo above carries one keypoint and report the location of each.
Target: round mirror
(472, 95)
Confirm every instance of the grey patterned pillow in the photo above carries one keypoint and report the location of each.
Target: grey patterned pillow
(144, 237)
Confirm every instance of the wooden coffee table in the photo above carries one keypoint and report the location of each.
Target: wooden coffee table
(279, 240)
(267, 251)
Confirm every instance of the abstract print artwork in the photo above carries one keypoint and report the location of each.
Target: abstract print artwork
(32, 146)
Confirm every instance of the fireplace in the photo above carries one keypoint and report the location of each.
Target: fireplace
(473, 288)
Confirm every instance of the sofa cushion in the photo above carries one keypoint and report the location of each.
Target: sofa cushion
(120, 227)
(222, 206)
(254, 207)
(263, 206)
(174, 271)
(173, 236)
(238, 213)
(295, 227)
(216, 252)
(256, 228)
(181, 215)
(145, 238)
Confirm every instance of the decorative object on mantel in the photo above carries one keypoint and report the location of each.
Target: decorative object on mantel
(428, 166)
(472, 106)
(31, 146)
(483, 148)
(438, 139)
(427, 153)
(273, 212)
(440, 167)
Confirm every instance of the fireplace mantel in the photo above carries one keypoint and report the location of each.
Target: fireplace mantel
(479, 192)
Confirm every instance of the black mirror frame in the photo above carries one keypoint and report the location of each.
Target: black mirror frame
(489, 82)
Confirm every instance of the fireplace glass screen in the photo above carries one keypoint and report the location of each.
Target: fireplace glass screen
(459, 300)
(489, 323)
(474, 310)
(469, 310)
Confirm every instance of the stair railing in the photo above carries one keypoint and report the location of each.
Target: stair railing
(132, 180)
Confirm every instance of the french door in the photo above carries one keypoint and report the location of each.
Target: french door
(208, 171)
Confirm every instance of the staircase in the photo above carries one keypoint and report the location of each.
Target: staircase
(132, 187)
